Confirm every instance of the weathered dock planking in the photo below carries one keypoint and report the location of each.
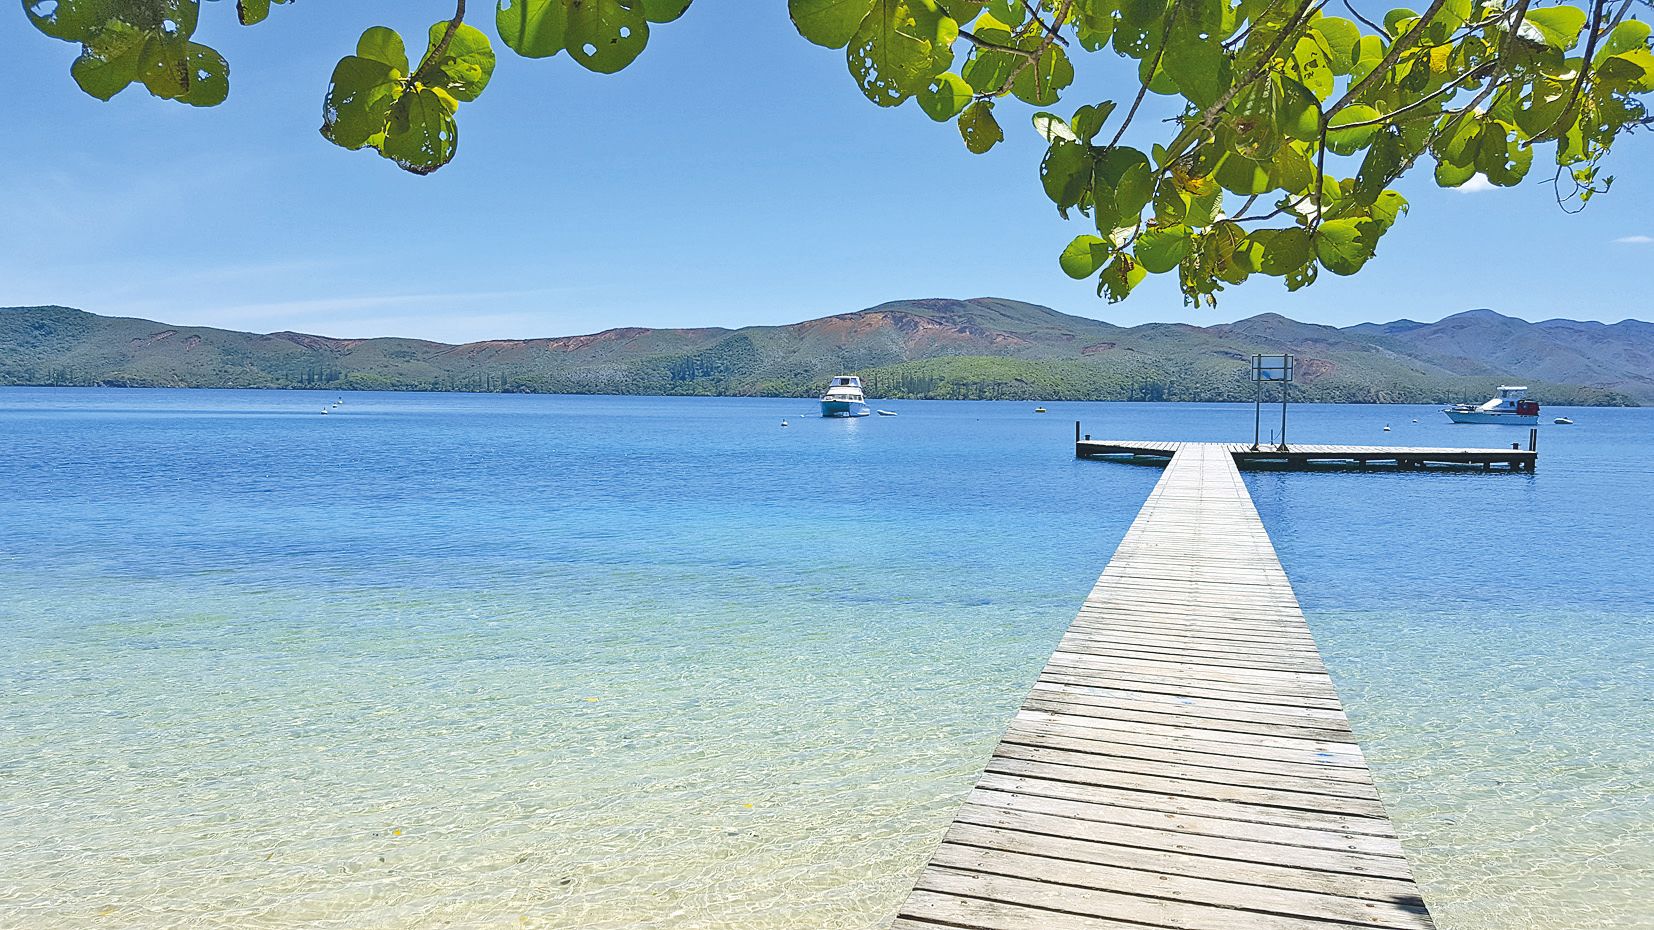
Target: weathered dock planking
(1313, 456)
(1183, 760)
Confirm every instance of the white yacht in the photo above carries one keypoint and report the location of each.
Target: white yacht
(1505, 407)
(844, 398)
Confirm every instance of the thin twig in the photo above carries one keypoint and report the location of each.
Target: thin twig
(1143, 89)
(1476, 72)
(1369, 23)
(980, 42)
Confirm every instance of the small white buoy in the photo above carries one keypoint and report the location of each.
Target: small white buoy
(1415, 419)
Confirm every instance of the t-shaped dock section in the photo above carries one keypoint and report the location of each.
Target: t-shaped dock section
(1183, 760)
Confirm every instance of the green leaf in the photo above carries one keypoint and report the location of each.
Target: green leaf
(1352, 140)
(978, 127)
(421, 135)
(831, 23)
(1088, 120)
(1084, 256)
(1628, 36)
(1121, 187)
(664, 11)
(1369, 55)
(359, 100)
(1051, 128)
(1195, 61)
(1628, 72)
(532, 28)
(250, 12)
(1242, 175)
(1387, 208)
(946, 96)
(1450, 175)
(1161, 248)
(1042, 82)
(1066, 173)
(465, 66)
(1501, 155)
(1171, 205)
(1254, 119)
(899, 48)
(605, 35)
(110, 62)
(1555, 26)
(69, 20)
(1298, 110)
(385, 46)
(1344, 245)
(208, 84)
(1282, 251)
(1342, 40)
(1308, 65)
(1120, 277)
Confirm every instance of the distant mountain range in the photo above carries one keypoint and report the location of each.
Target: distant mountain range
(983, 348)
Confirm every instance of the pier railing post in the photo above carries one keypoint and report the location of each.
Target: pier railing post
(1533, 439)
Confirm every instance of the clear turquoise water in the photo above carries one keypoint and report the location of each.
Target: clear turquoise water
(590, 662)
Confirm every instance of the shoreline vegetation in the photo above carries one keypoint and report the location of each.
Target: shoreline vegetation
(982, 349)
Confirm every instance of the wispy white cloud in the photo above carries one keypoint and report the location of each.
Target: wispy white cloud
(1634, 240)
(1477, 184)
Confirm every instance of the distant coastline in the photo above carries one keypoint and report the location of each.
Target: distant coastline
(982, 349)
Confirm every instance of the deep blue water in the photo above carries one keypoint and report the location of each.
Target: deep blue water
(597, 662)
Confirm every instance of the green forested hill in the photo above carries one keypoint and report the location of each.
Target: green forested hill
(982, 348)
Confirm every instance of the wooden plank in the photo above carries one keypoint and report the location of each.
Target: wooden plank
(1183, 760)
(980, 850)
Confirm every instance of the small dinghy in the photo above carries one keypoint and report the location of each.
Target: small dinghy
(1039, 409)
(783, 422)
(887, 413)
(1563, 421)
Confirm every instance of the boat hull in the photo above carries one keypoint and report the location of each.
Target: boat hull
(1478, 416)
(844, 408)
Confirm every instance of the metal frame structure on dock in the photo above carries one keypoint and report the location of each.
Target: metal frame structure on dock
(1183, 761)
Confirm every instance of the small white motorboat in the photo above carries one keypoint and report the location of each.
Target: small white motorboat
(1563, 421)
(844, 398)
(783, 422)
(1505, 407)
(887, 413)
(1386, 427)
(1039, 409)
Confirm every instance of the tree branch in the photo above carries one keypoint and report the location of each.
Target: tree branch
(441, 47)
(1584, 68)
(1143, 89)
(1402, 43)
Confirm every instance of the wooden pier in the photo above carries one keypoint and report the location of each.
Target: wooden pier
(1183, 760)
(1321, 456)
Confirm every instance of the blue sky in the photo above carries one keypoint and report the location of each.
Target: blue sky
(733, 175)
